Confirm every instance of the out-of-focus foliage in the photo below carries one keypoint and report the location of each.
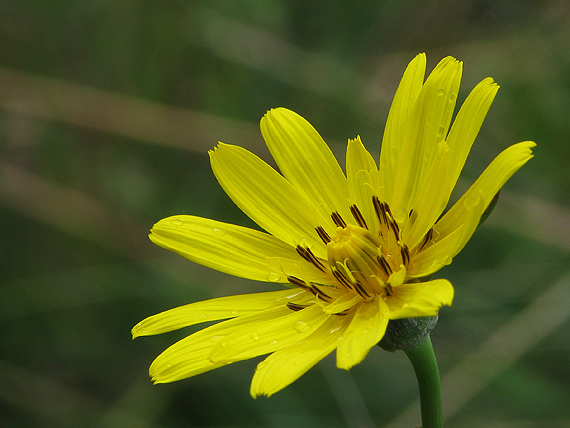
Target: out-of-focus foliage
(107, 110)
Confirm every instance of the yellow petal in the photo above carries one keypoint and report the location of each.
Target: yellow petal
(486, 186)
(363, 181)
(344, 302)
(398, 121)
(306, 160)
(467, 125)
(420, 299)
(428, 125)
(266, 196)
(214, 309)
(190, 356)
(285, 366)
(441, 253)
(450, 157)
(236, 250)
(269, 336)
(365, 330)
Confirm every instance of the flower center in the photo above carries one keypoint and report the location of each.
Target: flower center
(368, 263)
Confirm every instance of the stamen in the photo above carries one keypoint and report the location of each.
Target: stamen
(338, 220)
(384, 265)
(385, 216)
(320, 294)
(360, 290)
(358, 216)
(296, 307)
(405, 254)
(308, 255)
(426, 239)
(299, 283)
(323, 235)
(341, 278)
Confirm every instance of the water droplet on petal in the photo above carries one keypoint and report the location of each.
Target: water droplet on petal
(400, 215)
(216, 338)
(301, 326)
(440, 92)
(218, 231)
(452, 97)
(255, 335)
(223, 343)
(440, 131)
(234, 313)
(306, 242)
(273, 276)
(470, 203)
(177, 222)
(261, 365)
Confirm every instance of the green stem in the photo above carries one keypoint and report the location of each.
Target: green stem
(423, 360)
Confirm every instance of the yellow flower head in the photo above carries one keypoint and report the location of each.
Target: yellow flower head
(354, 249)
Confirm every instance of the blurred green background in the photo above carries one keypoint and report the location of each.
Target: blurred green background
(107, 110)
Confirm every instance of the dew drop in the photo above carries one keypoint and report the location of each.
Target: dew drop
(470, 203)
(440, 92)
(234, 313)
(301, 326)
(273, 276)
(216, 338)
(223, 343)
(218, 231)
(177, 222)
(306, 242)
(452, 97)
(400, 215)
(261, 365)
(255, 335)
(440, 131)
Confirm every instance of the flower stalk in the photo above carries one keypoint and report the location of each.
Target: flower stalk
(424, 362)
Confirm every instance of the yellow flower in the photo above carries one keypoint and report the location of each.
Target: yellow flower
(353, 249)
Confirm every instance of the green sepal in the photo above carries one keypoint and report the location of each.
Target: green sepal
(406, 333)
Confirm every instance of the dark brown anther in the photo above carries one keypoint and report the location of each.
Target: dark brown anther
(308, 255)
(341, 278)
(323, 235)
(338, 220)
(361, 290)
(320, 294)
(384, 265)
(427, 238)
(358, 216)
(296, 307)
(299, 283)
(385, 216)
(405, 254)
